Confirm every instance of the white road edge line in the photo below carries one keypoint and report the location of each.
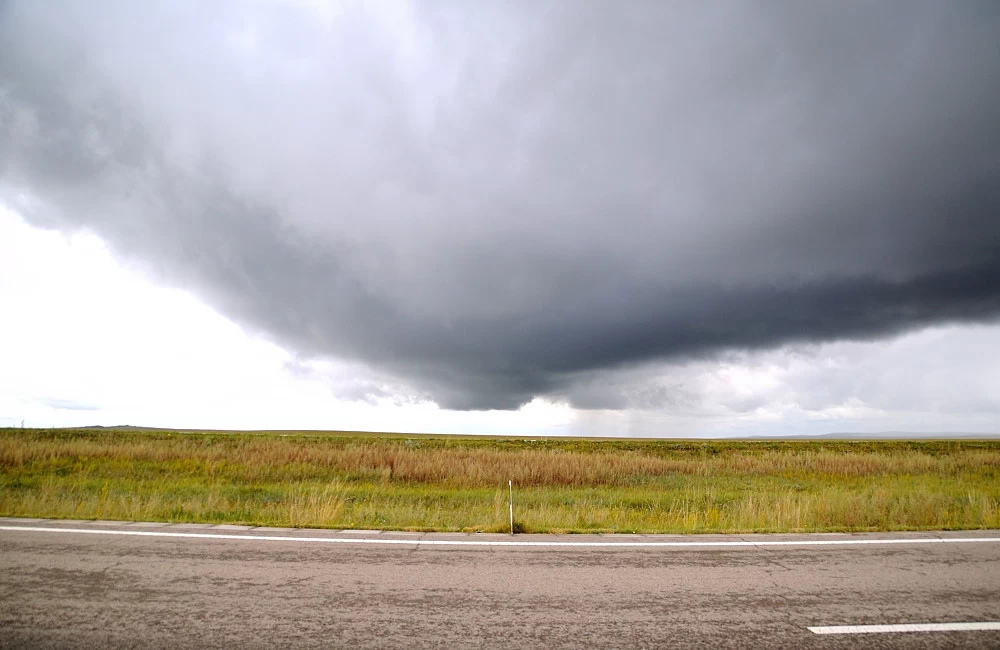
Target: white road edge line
(464, 542)
(906, 627)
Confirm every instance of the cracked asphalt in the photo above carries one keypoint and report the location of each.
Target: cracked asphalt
(75, 590)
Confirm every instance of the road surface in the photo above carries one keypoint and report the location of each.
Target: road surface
(96, 585)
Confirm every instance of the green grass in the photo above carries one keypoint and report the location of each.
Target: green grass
(389, 481)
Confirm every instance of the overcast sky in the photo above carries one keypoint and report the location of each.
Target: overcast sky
(601, 218)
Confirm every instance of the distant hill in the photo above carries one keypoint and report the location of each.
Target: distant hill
(891, 435)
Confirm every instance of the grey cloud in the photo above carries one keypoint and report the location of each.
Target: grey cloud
(940, 378)
(355, 383)
(496, 203)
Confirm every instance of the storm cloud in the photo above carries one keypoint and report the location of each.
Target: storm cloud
(499, 201)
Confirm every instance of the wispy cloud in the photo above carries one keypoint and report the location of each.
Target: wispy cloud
(66, 404)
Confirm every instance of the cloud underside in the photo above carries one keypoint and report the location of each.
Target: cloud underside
(516, 202)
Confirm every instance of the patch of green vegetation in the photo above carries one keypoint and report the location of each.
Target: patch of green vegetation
(343, 480)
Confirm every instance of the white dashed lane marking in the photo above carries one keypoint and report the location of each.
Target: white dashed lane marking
(906, 627)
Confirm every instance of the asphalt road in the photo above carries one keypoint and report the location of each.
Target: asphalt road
(79, 590)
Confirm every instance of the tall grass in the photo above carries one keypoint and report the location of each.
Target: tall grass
(460, 484)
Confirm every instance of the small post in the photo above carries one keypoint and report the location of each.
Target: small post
(510, 486)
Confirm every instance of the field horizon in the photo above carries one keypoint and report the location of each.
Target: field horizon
(831, 436)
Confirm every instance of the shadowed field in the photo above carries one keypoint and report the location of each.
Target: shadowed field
(448, 483)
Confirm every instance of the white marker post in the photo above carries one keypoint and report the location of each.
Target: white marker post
(510, 486)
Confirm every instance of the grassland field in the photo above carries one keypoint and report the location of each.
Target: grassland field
(408, 482)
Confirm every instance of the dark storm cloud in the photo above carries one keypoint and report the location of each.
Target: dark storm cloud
(493, 202)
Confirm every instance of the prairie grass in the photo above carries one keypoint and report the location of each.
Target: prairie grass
(442, 483)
